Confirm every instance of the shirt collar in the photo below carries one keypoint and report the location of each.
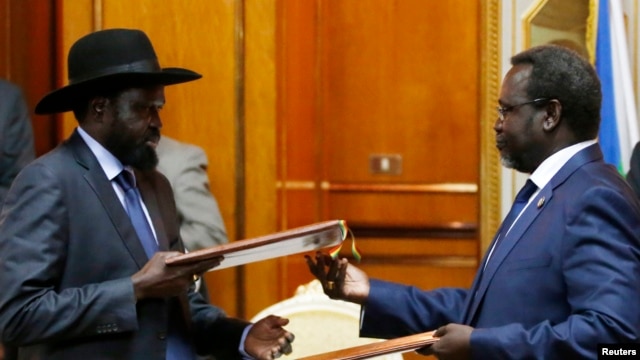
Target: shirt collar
(109, 163)
(551, 165)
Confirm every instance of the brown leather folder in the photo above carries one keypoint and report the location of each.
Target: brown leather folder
(301, 239)
(398, 345)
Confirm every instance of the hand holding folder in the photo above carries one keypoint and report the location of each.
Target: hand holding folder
(398, 345)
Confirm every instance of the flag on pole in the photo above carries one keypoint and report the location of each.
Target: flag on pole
(619, 125)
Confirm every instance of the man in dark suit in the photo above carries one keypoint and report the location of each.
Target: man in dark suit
(16, 135)
(16, 141)
(87, 228)
(633, 176)
(562, 275)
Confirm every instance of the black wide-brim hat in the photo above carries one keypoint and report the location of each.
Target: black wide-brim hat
(107, 59)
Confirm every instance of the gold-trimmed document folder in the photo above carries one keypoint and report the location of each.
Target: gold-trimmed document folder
(298, 240)
(367, 351)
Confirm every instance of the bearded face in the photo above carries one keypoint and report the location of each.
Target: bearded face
(134, 130)
(518, 127)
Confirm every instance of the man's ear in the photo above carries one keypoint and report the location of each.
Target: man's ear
(552, 115)
(98, 106)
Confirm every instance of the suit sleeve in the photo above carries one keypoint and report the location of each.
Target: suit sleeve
(16, 137)
(394, 310)
(33, 248)
(201, 223)
(214, 332)
(601, 268)
(633, 176)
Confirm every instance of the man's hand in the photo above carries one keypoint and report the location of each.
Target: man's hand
(157, 280)
(268, 340)
(454, 343)
(340, 280)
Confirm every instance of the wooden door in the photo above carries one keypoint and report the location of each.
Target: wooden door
(379, 114)
(27, 58)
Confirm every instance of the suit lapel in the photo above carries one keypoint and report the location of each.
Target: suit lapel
(107, 197)
(531, 212)
(151, 195)
(507, 242)
(151, 202)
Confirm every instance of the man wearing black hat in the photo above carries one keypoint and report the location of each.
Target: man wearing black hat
(86, 229)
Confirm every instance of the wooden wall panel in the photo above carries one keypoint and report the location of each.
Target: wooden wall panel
(400, 77)
(5, 20)
(76, 19)
(425, 277)
(403, 210)
(298, 131)
(262, 283)
(301, 207)
(386, 77)
(27, 59)
(298, 134)
(437, 246)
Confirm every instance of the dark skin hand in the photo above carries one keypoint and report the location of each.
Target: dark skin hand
(339, 279)
(157, 280)
(454, 343)
(268, 340)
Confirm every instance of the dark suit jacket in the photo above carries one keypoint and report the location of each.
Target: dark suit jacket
(16, 136)
(633, 176)
(67, 252)
(565, 278)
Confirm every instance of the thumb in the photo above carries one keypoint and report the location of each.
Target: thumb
(277, 321)
(442, 331)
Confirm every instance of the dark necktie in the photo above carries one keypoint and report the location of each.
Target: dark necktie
(519, 203)
(136, 214)
(522, 198)
(178, 348)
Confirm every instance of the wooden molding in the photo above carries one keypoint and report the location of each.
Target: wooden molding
(454, 230)
(490, 175)
(432, 261)
(422, 188)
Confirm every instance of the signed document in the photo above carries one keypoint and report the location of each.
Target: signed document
(302, 239)
(398, 345)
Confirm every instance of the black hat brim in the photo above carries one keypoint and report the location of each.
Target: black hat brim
(65, 98)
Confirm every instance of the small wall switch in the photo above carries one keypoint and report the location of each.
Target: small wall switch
(387, 164)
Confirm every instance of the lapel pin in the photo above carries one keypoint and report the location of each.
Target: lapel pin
(540, 202)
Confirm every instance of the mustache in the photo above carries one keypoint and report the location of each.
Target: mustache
(152, 135)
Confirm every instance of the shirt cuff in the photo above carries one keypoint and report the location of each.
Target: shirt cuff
(244, 354)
